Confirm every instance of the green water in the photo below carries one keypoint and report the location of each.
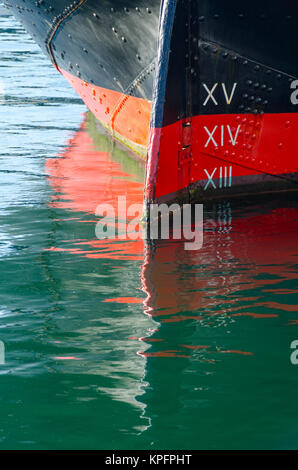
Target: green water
(119, 345)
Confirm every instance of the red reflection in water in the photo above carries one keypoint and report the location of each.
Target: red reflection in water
(125, 300)
(68, 358)
(244, 353)
(84, 178)
(241, 254)
(249, 254)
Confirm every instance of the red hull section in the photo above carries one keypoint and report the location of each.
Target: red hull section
(217, 153)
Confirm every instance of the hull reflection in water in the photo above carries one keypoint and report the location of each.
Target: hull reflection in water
(227, 314)
(208, 365)
(92, 171)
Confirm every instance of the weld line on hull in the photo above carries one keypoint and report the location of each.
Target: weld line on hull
(55, 26)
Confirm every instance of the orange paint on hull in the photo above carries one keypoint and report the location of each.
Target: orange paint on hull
(127, 117)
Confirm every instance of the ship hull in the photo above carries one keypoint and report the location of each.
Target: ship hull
(206, 92)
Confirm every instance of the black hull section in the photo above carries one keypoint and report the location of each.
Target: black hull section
(108, 43)
(113, 44)
(253, 45)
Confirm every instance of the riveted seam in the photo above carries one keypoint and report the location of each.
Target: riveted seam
(129, 90)
(56, 24)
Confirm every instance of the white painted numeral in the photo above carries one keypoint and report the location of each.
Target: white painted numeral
(210, 93)
(211, 136)
(224, 175)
